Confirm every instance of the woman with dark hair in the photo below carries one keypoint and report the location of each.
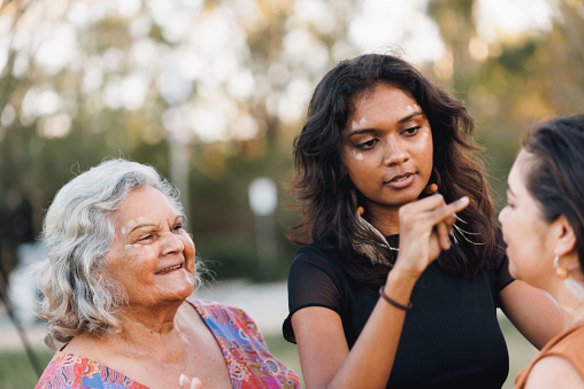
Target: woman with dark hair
(543, 225)
(379, 141)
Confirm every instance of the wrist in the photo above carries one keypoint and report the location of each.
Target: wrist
(396, 304)
(403, 275)
(399, 286)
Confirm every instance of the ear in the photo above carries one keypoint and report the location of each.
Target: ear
(566, 238)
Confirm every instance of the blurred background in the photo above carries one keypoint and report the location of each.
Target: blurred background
(212, 94)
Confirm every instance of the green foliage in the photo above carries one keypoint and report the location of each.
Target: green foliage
(532, 77)
(16, 371)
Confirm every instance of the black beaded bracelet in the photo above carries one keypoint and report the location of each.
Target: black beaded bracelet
(393, 302)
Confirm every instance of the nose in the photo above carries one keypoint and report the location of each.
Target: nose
(172, 244)
(395, 152)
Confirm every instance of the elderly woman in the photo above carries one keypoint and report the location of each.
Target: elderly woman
(115, 286)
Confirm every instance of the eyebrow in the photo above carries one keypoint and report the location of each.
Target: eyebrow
(412, 115)
(400, 121)
(181, 217)
(137, 227)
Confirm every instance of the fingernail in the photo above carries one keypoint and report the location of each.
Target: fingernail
(194, 382)
(181, 379)
(464, 200)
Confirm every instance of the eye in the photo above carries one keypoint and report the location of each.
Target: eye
(145, 237)
(367, 145)
(411, 131)
(509, 205)
(178, 227)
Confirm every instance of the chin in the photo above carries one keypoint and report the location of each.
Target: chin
(183, 293)
(513, 271)
(187, 291)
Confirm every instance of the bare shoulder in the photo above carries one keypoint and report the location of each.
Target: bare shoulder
(554, 371)
(87, 346)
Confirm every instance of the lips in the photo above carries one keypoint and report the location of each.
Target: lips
(169, 269)
(401, 177)
(401, 180)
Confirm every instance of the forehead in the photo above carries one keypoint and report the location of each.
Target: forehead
(386, 99)
(145, 203)
(521, 166)
(519, 171)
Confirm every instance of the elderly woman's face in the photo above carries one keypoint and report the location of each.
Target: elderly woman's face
(152, 256)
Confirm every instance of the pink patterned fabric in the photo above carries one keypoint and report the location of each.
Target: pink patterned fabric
(248, 360)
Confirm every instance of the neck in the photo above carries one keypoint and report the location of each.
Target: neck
(572, 305)
(149, 321)
(384, 218)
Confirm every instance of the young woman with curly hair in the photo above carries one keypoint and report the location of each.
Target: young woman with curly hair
(396, 285)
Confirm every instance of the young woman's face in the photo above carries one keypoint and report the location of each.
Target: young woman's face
(152, 256)
(388, 147)
(524, 229)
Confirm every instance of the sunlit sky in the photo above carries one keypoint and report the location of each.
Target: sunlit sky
(210, 52)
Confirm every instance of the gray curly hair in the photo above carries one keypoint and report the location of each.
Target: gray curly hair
(78, 232)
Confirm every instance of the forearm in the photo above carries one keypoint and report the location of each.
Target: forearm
(371, 359)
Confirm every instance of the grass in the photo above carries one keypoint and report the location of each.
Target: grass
(16, 371)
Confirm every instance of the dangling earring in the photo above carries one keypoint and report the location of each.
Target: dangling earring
(370, 249)
(431, 189)
(561, 271)
(435, 181)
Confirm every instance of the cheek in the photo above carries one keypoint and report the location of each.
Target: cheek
(352, 158)
(356, 155)
(427, 144)
(134, 256)
(424, 149)
(357, 161)
(513, 270)
(190, 248)
(190, 251)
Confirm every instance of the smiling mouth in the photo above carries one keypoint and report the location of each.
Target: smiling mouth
(401, 180)
(401, 177)
(169, 269)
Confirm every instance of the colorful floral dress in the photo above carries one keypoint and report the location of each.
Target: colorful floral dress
(246, 355)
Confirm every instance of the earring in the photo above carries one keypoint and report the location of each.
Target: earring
(369, 248)
(431, 189)
(561, 271)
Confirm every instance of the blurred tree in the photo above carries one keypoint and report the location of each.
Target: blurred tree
(513, 81)
(212, 93)
(205, 91)
(527, 79)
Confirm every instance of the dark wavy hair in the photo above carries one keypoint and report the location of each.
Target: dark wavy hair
(324, 191)
(555, 175)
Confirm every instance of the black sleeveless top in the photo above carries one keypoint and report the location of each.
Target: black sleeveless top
(451, 337)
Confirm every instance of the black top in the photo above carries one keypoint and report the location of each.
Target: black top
(451, 337)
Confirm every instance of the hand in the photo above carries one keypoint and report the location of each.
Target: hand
(425, 226)
(189, 383)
